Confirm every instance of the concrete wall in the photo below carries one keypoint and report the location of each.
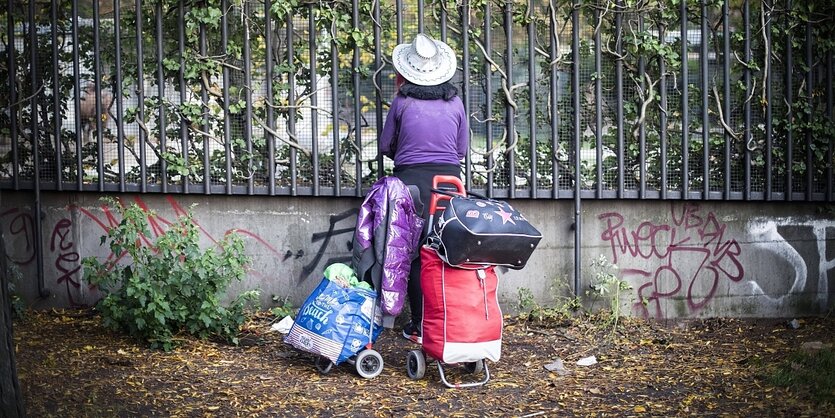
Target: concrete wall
(683, 259)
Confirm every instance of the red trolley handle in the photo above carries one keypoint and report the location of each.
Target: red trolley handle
(438, 195)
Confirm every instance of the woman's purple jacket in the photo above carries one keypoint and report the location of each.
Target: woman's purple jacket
(386, 240)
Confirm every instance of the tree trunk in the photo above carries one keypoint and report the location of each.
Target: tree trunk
(11, 400)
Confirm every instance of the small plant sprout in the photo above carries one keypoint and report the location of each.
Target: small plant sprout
(608, 285)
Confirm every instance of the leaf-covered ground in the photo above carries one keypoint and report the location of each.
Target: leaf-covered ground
(69, 366)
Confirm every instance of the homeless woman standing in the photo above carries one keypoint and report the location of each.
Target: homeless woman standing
(426, 133)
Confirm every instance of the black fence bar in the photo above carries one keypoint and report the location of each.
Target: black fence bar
(810, 88)
(533, 184)
(635, 151)
(685, 104)
(788, 92)
(247, 15)
(642, 137)
(163, 124)
(488, 99)
(554, 101)
(355, 19)
(76, 59)
(706, 92)
(314, 101)
(576, 134)
(512, 141)
(227, 124)
(598, 107)
(378, 92)
(291, 113)
(337, 155)
(13, 108)
(269, 110)
(34, 93)
(97, 85)
(118, 96)
(443, 18)
(465, 86)
(204, 105)
(184, 135)
(140, 96)
(419, 16)
(747, 140)
(399, 9)
(768, 81)
(662, 116)
(726, 67)
(619, 100)
(56, 97)
(830, 182)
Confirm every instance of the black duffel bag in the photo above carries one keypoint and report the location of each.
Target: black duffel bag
(476, 230)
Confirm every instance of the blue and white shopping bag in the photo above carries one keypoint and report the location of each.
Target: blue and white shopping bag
(334, 321)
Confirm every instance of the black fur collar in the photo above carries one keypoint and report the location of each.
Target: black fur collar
(444, 91)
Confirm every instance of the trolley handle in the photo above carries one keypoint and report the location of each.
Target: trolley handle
(439, 194)
(452, 194)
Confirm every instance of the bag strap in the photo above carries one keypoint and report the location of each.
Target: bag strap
(434, 242)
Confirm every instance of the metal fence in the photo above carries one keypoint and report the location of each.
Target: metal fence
(593, 99)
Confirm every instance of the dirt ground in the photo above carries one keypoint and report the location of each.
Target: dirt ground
(70, 366)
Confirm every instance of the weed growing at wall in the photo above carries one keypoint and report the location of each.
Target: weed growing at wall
(156, 290)
(608, 285)
(284, 308)
(563, 308)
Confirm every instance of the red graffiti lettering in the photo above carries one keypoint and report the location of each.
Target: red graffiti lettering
(158, 225)
(692, 252)
(66, 260)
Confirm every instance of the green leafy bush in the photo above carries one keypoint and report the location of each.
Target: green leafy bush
(170, 286)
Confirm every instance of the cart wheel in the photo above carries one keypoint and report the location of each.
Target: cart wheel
(415, 364)
(474, 367)
(369, 363)
(323, 365)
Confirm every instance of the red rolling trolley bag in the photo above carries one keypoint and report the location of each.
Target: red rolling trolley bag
(462, 320)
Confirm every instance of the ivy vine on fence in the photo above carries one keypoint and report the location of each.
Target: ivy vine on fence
(292, 93)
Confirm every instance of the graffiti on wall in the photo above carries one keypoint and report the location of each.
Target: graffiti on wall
(691, 256)
(810, 267)
(324, 238)
(688, 257)
(62, 253)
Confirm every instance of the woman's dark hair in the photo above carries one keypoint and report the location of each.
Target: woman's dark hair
(444, 91)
